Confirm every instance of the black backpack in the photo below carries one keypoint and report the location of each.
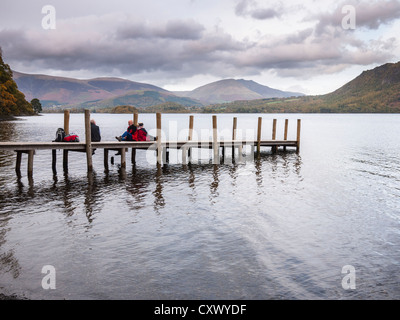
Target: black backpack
(60, 135)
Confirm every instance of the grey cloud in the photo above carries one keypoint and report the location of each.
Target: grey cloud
(369, 14)
(251, 8)
(184, 48)
(175, 29)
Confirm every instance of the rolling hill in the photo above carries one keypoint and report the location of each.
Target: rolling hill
(99, 92)
(373, 91)
(230, 90)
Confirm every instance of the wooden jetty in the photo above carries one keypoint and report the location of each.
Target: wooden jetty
(161, 147)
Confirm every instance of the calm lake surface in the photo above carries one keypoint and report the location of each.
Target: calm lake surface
(281, 226)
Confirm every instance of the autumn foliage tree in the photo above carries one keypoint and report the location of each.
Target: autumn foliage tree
(12, 101)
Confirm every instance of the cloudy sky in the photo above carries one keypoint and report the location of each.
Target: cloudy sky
(310, 46)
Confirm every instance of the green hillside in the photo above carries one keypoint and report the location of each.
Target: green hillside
(140, 99)
(12, 101)
(374, 91)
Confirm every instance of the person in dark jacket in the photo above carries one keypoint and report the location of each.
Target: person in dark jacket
(95, 130)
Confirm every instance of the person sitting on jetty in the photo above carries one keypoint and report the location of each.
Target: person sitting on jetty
(95, 131)
(141, 133)
(128, 134)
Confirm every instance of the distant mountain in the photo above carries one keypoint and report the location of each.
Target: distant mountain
(230, 90)
(140, 99)
(99, 92)
(374, 91)
(377, 90)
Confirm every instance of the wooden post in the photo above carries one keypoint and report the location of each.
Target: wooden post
(18, 163)
(234, 136)
(123, 158)
(54, 161)
(285, 136)
(190, 138)
(159, 153)
(259, 136)
(274, 148)
(215, 141)
(133, 156)
(298, 135)
(136, 123)
(30, 162)
(66, 129)
(106, 159)
(88, 137)
(66, 121)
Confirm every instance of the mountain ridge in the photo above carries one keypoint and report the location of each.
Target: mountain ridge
(229, 90)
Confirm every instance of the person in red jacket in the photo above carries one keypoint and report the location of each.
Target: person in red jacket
(141, 133)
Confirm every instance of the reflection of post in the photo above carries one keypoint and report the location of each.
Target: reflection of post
(159, 201)
(215, 141)
(66, 130)
(159, 153)
(88, 141)
(215, 183)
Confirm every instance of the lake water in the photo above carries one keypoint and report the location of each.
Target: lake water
(281, 226)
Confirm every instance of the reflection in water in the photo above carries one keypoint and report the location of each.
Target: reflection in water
(215, 183)
(79, 197)
(159, 201)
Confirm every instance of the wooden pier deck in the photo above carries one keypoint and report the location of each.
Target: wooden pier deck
(159, 146)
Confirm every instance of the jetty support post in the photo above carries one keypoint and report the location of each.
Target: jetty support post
(259, 130)
(215, 141)
(190, 138)
(136, 123)
(106, 159)
(18, 163)
(30, 163)
(285, 135)
(88, 137)
(66, 130)
(298, 135)
(54, 161)
(158, 137)
(274, 148)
